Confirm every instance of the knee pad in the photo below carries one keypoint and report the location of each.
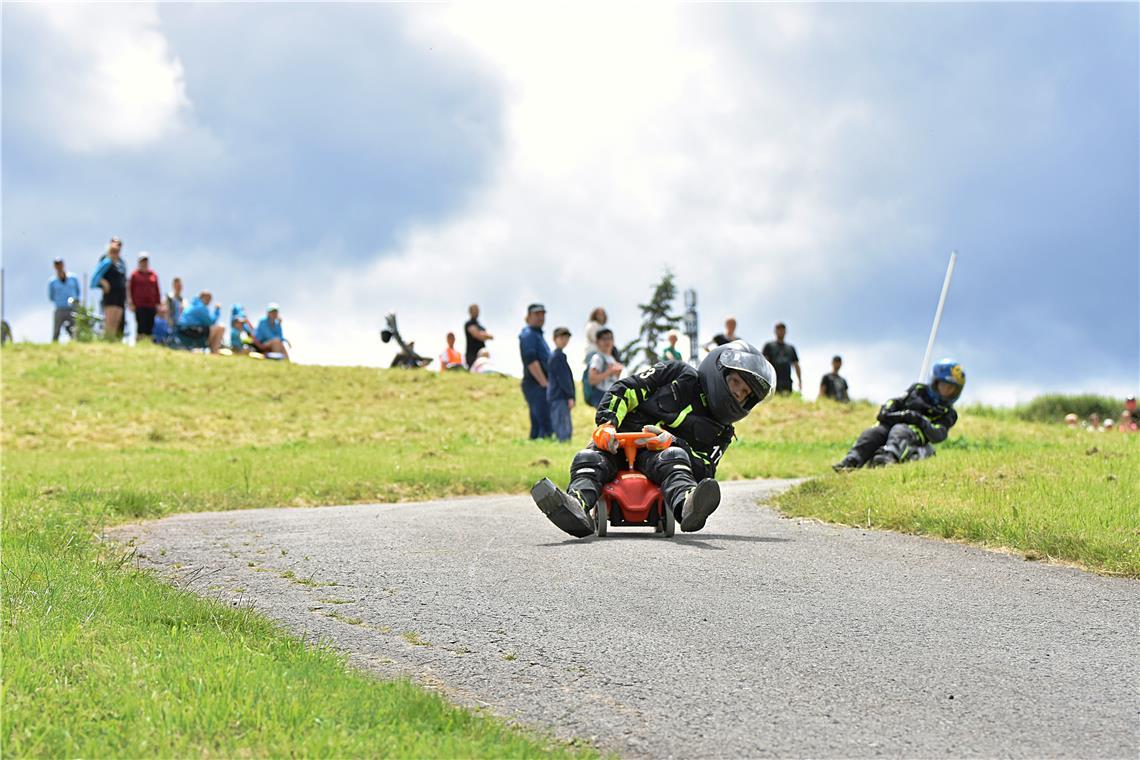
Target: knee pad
(675, 458)
(588, 462)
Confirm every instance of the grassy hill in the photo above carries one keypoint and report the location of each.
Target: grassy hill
(100, 659)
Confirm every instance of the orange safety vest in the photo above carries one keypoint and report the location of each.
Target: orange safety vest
(451, 357)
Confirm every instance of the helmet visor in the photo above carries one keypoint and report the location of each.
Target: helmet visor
(755, 370)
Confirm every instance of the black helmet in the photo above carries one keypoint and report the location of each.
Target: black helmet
(746, 359)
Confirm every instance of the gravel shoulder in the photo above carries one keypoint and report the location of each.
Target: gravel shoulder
(760, 636)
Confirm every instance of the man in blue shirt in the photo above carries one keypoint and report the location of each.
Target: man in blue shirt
(196, 325)
(269, 336)
(535, 357)
(61, 290)
(560, 387)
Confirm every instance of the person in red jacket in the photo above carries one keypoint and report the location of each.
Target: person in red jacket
(144, 295)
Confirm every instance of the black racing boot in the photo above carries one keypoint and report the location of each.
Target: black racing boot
(567, 512)
(700, 502)
(846, 463)
(883, 459)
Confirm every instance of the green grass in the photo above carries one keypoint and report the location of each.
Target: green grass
(101, 659)
(1064, 495)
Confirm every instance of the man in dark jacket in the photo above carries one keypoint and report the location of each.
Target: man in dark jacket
(687, 415)
(911, 424)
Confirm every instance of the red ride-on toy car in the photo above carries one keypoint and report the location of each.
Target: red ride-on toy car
(631, 499)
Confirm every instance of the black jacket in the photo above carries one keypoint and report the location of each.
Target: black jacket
(668, 395)
(930, 421)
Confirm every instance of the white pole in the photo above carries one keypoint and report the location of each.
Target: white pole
(922, 373)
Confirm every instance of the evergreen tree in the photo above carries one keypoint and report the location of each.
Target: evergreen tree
(656, 321)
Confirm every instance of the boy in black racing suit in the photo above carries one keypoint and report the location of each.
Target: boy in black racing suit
(672, 403)
(911, 424)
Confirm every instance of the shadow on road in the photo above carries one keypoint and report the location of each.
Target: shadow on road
(700, 542)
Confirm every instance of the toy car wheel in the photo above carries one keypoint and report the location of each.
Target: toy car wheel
(601, 518)
(668, 523)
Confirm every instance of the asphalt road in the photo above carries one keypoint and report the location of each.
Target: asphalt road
(760, 636)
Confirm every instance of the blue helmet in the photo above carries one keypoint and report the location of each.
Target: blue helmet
(946, 371)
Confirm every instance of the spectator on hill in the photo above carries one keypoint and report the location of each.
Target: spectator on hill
(670, 352)
(1127, 422)
(63, 291)
(1130, 410)
(560, 388)
(269, 337)
(1093, 422)
(196, 326)
(144, 296)
(783, 358)
(727, 336)
(451, 359)
(1072, 420)
(162, 332)
(597, 321)
(604, 369)
(241, 330)
(535, 356)
(483, 364)
(111, 277)
(1108, 423)
(475, 335)
(175, 303)
(833, 386)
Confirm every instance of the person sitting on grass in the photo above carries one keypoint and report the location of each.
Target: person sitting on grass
(687, 415)
(269, 337)
(196, 328)
(241, 330)
(451, 359)
(162, 333)
(911, 424)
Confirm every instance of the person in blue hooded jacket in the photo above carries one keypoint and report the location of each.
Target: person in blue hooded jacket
(269, 337)
(241, 330)
(911, 424)
(197, 323)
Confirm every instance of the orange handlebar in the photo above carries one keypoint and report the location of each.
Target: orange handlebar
(628, 442)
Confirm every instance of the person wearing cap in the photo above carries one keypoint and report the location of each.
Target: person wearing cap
(144, 295)
(241, 329)
(63, 291)
(269, 336)
(560, 388)
(111, 277)
(535, 357)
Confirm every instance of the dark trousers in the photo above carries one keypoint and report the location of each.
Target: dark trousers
(899, 440)
(535, 395)
(671, 469)
(561, 423)
(144, 319)
(63, 318)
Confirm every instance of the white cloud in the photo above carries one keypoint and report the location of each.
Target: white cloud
(633, 142)
(102, 76)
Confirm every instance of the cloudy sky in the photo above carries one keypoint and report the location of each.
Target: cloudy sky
(807, 163)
